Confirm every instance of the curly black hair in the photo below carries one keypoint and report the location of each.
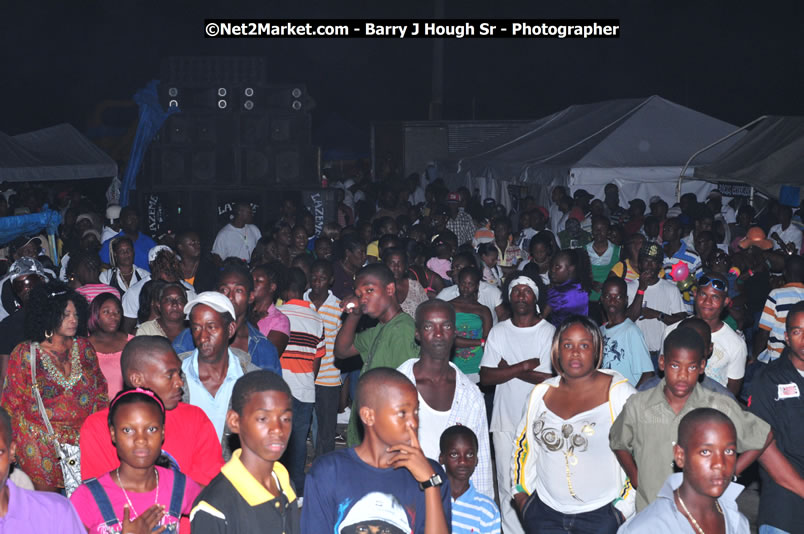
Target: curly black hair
(45, 310)
(80, 257)
(166, 264)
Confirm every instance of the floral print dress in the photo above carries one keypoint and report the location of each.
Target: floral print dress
(66, 408)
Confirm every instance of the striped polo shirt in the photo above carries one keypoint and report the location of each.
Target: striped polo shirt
(774, 315)
(305, 344)
(693, 261)
(476, 513)
(330, 312)
(90, 291)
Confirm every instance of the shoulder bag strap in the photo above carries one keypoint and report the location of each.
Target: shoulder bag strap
(102, 500)
(32, 353)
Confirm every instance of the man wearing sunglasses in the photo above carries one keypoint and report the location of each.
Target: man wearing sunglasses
(729, 351)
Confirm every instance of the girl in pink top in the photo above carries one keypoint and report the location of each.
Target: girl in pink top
(105, 315)
(271, 322)
(138, 496)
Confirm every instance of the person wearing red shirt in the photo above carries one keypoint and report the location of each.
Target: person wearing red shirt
(190, 439)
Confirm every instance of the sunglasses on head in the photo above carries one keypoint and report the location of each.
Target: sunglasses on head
(717, 283)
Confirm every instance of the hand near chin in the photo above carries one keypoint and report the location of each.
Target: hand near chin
(411, 458)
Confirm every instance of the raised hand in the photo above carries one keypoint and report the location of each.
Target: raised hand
(145, 523)
(351, 305)
(412, 458)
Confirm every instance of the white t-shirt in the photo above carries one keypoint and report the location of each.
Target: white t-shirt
(436, 422)
(106, 277)
(792, 234)
(729, 353)
(487, 294)
(131, 298)
(555, 218)
(515, 344)
(236, 242)
(662, 296)
(525, 235)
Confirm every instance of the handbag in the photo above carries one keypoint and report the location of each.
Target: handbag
(69, 454)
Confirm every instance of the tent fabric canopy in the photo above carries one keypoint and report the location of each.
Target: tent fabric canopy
(640, 144)
(13, 227)
(768, 157)
(57, 153)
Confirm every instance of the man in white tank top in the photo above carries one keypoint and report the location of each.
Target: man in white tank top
(446, 396)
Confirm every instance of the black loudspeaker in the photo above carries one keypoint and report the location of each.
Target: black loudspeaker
(179, 166)
(233, 129)
(261, 129)
(165, 210)
(209, 70)
(198, 129)
(322, 204)
(239, 98)
(205, 211)
(295, 165)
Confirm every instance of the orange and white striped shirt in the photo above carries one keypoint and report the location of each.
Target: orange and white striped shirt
(306, 343)
(330, 312)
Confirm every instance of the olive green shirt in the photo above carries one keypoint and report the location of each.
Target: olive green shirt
(386, 345)
(647, 427)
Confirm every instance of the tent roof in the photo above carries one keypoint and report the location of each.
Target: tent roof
(769, 156)
(57, 153)
(640, 132)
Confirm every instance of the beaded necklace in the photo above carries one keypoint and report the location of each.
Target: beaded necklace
(75, 368)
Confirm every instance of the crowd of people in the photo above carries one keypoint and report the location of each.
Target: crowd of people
(429, 361)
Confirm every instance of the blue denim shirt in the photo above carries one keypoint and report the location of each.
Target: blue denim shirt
(262, 351)
(662, 515)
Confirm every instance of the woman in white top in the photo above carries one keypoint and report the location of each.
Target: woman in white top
(123, 273)
(563, 470)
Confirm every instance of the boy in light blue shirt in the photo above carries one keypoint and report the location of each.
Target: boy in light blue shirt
(625, 349)
(471, 510)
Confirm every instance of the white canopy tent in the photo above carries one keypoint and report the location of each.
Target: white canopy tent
(639, 144)
(57, 153)
(769, 156)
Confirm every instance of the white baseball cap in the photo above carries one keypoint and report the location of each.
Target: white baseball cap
(217, 301)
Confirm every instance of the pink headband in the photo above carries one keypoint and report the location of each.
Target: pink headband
(138, 390)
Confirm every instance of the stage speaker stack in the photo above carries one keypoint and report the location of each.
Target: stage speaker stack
(235, 137)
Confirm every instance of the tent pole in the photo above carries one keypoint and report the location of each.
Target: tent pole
(707, 147)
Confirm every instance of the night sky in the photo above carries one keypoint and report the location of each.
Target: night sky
(734, 61)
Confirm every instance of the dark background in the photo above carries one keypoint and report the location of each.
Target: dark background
(735, 60)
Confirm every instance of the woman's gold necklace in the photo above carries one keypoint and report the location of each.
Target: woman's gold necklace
(75, 368)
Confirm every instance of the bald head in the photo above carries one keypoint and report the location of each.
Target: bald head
(373, 386)
(140, 351)
(435, 304)
(692, 423)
